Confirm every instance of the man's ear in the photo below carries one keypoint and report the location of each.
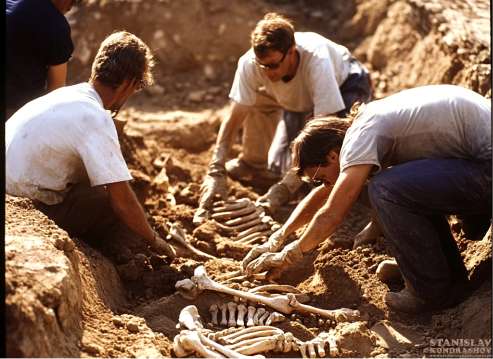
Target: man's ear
(333, 157)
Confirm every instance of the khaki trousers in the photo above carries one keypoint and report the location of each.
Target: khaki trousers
(258, 130)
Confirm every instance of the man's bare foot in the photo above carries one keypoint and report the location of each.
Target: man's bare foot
(368, 235)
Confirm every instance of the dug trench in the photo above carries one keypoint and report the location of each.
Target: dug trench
(67, 297)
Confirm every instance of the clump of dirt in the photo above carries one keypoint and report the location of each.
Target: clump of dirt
(123, 303)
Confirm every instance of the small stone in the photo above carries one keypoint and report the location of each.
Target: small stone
(133, 327)
(92, 349)
(117, 321)
(196, 96)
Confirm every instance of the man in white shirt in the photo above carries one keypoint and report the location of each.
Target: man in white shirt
(426, 153)
(62, 149)
(303, 74)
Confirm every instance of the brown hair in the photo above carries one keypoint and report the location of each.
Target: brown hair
(123, 56)
(273, 32)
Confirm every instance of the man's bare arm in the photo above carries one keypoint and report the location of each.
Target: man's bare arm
(226, 134)
(345, 192)
(128, 209)
(57, 76)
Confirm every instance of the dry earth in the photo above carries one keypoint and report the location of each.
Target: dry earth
(65, 298)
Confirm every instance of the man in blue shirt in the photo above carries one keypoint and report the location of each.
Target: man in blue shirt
(38, 48)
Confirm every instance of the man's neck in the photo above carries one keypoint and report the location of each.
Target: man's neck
(106, 93)
(293, 68)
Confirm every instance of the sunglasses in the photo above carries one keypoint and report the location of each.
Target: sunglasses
(272, 66)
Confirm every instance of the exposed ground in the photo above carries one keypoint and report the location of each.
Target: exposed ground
(64, 298)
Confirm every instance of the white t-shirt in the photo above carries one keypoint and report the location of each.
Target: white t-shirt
(323, 67)
(436, 121)
(62, 138)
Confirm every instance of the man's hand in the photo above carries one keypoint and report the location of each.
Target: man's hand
(276, 263)
(213, 185)
(274, 243)
(163, 247)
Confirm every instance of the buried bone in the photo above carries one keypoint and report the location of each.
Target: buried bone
(223, 216)
(221, 206)
(274, 317)
(263, 318)
(176, 232)
(232, 310)
(285, 304)
(229, 353)
(190, 341)
(214, 310)
(240, 320)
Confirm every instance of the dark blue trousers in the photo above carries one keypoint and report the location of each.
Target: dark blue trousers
(411, 201)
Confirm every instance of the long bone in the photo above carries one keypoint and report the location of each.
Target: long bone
(224, 216)
(176, 232)
(258, 314)
(243, 277)
(245, 331)
(224, 350)
(251, 312)
(213, 309)
(262, 319)
(190, 341)
(283, 288)
(240, 320)
(285, 304)
(255, 346)
(232, 311)
(224, 308)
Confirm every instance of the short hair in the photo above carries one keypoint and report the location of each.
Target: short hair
(123, 56)
(316, 140)
(273, 33)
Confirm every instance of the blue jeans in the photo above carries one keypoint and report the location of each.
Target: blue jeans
(411, 201)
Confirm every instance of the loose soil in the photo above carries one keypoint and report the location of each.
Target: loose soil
(65, 297)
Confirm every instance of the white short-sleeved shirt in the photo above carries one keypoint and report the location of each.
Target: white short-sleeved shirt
(323, 67)
(62, 138)
(436, 121)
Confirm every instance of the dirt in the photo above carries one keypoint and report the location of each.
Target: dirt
(65, 297)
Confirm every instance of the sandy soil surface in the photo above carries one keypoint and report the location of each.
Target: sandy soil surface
(65, 297)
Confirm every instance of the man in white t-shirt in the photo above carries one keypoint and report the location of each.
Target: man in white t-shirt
(62, 149)
(426, 154)
(284, 73)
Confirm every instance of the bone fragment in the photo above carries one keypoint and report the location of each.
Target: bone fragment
(311, 350)
(240, 320)
(223, 216)
(232, 310)
(251, 312)
(255, 346)
(258, 314)
(224, 350)
(254, 229)
(244, 219)
(303, 351)
(214, 310)
(191, 341)
(189, 318)
(243, 277)
(230, 275)
(250, 237)
(320, 347)
(178, 348)
(223, 307)
(274, 317)
(263, 318)
(285, 304)
(176, 232)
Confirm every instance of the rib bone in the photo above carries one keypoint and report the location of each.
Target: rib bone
(240, 220)
(251, 312)
(250, 237)
(254, 229)
(220, 216)
(232, 310)
(190, 341)
(274, 317)
(245, 331)
(224, 350)
(213, 310)
(285, 304)
(253, 334)
(240, 321)
(228, 207)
